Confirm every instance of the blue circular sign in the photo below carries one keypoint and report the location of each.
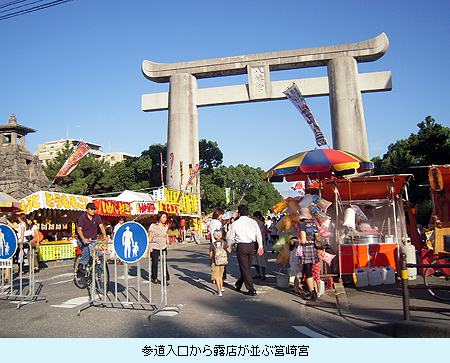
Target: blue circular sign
(130, 242)
(8, 242)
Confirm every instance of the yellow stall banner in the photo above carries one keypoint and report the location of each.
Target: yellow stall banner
(188, 202)
(54, 200)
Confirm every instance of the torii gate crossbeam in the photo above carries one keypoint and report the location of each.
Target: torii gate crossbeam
(344, 86)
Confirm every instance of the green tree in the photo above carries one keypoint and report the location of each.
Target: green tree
(132, 174)
(431, 145)
(91, 175)
(259, 195)
(154, 154)
(210, 157)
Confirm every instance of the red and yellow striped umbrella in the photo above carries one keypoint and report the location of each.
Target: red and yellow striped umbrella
(318, 164)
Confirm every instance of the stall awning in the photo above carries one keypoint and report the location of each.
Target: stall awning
(8, 203)
(54, 200)
(190, 215)
(130, 196)
(169, 207)
(365, 188)
(112, 207)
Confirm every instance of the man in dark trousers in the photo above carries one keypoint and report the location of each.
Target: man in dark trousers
(244, 232)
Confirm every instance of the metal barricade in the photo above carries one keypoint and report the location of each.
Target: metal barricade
(20, 288)
(406, 287)
(129, 295)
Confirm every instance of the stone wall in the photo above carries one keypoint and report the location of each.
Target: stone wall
(21, 173)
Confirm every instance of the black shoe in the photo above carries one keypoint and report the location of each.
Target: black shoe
(257, 277)
(250, 293)
(263, 277)
(155, 281)
(313, 295)
(238, 286)
(167, 283)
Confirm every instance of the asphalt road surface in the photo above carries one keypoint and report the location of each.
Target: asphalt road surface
(191, 308)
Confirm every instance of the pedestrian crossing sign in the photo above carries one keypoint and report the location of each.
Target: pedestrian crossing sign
(130, 242)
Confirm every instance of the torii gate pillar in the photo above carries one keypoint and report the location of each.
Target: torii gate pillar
(182, 133)
(347, 123)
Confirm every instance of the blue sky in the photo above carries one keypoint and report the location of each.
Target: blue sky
(75, 69)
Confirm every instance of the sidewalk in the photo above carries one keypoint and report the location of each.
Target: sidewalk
(380, 309)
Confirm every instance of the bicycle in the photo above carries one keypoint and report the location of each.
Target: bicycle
(438, 278)
(82, 280)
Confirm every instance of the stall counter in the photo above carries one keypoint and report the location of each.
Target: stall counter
(353, 256)
(56, 250)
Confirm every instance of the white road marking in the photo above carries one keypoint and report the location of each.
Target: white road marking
(60, 282)
(308, 332)
(72, 303)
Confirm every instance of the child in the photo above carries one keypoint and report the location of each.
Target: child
(218, 259)
(295, 262)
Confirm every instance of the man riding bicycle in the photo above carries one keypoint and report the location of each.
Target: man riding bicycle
(87, 230)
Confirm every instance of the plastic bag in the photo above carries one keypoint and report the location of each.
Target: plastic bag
(323, 204)
(321, 217)
(284, 255)
(278, 245)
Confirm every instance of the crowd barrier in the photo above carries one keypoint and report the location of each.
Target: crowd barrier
(22, 288)
(133, 293)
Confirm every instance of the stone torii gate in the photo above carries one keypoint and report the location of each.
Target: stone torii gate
(344, 86)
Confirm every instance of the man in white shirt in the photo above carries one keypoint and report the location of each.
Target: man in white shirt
(244, 232)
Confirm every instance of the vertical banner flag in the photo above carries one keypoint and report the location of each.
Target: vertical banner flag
(240, 200)
(227, 195)
(162, 178)
(171, 165)
(191, 177)
(295, 96)
(181, 174)
(78, 153)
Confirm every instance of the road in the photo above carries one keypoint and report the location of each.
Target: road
(273, 313)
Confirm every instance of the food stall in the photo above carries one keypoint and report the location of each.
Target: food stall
(55, 214)
(183, 207)
(367, 220)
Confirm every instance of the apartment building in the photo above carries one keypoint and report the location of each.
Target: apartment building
(49, 150)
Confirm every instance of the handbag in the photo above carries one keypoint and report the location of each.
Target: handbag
(319, 242)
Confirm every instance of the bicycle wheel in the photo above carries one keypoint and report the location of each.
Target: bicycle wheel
(79, 279)
(101, 276)
(438, 279)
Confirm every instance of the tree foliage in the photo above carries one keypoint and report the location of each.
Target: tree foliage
(93, 176)
(132, 174)
(431, 145)
(259, 195)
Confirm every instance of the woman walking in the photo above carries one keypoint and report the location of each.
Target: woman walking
(158, 232)
(21, 238)
(261, 262)
(216, 225)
